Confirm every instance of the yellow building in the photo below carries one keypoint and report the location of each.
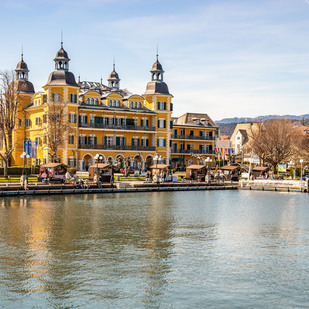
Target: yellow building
(108, 121)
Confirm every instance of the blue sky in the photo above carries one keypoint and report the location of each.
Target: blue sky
(222, 57)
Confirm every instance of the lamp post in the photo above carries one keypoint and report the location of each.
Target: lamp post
(301, 174)
(97, 157)
(23, 156)
(28, 157)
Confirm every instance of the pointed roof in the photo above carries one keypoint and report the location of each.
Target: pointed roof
(114, 74)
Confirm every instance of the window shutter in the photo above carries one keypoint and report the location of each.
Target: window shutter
(171, 124)
(117, 140)
(147, 123)
(138, 142)
(164, 124)
(171, 107)
(147, 142)
(74, 118)
(158, 123)
(142, 122)
(157, 142)
(164, 142)
(164, 105)
(95, 140)
(79, 119)
(86, 119)
(75, 98)
(105, 140)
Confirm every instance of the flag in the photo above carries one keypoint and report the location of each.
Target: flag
(217, 167)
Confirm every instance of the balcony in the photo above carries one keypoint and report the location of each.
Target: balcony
(117, 147)
(193, 137)
(115, 127)
(189, 151)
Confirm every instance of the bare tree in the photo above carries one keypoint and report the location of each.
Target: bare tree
(9, 99)
(274, 141)
(57, 127)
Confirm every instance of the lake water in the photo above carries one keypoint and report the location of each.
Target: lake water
(206, 249)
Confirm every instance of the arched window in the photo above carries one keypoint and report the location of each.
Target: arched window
(96, 102)
(88, 101)
(110, 102)
(114, 103)
(92, 101)
(118, 103)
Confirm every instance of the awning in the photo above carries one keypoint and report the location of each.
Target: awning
(195, 167)
(100, 165)
(260, 169)
(52, 165)
(230, 167)
(160, 166)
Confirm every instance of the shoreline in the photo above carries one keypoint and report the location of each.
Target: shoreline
(56, 189)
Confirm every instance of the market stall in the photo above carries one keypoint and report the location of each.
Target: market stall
(196, 172)
(260, 171)
(103, 170)
(231, 172)
(53, 172)
(160, 172)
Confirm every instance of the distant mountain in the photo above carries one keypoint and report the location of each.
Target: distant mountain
(260, 118)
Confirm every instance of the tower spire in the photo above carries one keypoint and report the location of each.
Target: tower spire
(157, 52)
(61, 39)
(22, 52)
(114, 63)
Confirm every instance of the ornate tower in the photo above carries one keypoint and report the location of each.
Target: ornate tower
(158, 99)
(113, 79)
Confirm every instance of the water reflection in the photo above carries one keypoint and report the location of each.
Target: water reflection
(181, 249)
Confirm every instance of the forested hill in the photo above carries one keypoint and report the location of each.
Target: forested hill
(226, 128)
(260, 118)
(227, 125)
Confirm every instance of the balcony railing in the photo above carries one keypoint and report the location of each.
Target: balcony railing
(117, 147)
(194, 137)
(189, 151)
(117, 127)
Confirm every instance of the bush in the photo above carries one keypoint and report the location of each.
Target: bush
(18, 170)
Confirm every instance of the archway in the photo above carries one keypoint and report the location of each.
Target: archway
(120, 161)
(87, 161)
(110, 160)
(138, 162)
(149, 161)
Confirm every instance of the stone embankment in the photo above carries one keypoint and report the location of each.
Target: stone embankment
(274, 185)
(117, 187)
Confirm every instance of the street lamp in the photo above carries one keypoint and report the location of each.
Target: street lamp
(28, 157)
(23, 156)
(97, 157)
(301, 174)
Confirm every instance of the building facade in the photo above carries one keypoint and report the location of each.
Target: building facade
(107, 121)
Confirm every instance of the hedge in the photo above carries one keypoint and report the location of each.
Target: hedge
(18, 170)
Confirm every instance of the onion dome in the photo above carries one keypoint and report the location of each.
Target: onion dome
(157, 67)
(21, 65)
(23, 86)
(62, 53)
(62, 78)
(113, 79)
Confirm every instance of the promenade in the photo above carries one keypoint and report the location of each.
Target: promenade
(38, 188)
